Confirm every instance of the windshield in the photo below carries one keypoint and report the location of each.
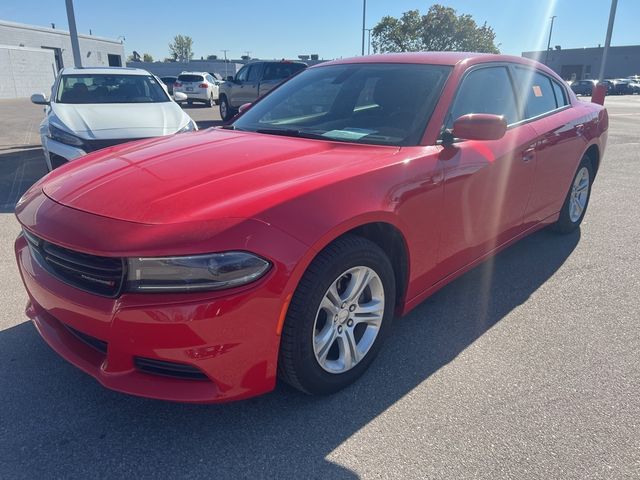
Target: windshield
(387, 104)
(105, 88)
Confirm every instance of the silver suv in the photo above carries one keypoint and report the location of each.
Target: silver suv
(198, 87)
(253, 81)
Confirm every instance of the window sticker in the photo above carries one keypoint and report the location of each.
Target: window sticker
(537, 91)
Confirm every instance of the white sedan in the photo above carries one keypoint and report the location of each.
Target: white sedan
(94, 108)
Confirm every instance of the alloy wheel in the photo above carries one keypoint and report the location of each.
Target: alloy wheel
(579, 194)
(348, 319)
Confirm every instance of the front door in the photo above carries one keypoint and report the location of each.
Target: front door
(487, 183)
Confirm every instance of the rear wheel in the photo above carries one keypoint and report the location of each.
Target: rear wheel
(338, 317)
(577, 200)
(211, 102)
(190, 103)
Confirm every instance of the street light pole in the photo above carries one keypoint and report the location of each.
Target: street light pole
(607, 42)
(73, 33)
(364, 17)
(546, 58)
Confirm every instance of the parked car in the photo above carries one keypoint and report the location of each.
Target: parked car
(198, 87)
(94, 108)
(619, 86)
(253, 81)
(583, 87)
(200, 267)
(169, 81)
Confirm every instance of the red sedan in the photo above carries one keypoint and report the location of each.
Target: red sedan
(202, 267)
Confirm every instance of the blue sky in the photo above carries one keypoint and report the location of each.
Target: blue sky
(331, 28)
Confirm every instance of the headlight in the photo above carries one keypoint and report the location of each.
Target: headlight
(189, 127)
(61, 136)
(194, 273)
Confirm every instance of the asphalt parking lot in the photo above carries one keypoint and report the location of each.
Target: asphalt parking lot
(526, 367)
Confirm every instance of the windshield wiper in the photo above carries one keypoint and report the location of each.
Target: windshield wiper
(290, 132)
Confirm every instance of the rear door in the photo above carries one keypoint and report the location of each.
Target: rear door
(487, 183)
(559, 140)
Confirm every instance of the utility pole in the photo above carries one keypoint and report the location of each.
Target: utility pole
(546, 57)
(73, 33)
(607, 42)
(225, 63)
(364, 18)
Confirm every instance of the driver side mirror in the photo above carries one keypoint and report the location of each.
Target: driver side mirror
(230, 78)
(479, 126)
(39, 99)
(244, 107)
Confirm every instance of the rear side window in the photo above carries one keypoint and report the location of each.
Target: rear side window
(281, 70)
(537, 92)
(254, 73)
(190, 78)
(485, 90)
(561, 97)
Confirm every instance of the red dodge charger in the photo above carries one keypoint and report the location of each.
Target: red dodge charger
(202, 267)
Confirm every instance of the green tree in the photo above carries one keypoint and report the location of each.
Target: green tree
(440, 29)
(146, 57)
(181, 48)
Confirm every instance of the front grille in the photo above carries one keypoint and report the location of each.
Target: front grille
(93, 145)
(56, 160)
(91, 273)
(94, 342)
(168, 369)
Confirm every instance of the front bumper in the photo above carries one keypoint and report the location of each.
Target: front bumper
(231, 339)
(57, 153)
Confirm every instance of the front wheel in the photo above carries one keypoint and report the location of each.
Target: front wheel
(226, 111)
(338, 317)
(577, 200)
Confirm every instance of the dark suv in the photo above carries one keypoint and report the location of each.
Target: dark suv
(583, 87)
(252, 81)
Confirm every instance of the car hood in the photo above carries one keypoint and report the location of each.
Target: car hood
(205, 175)
(119, 120)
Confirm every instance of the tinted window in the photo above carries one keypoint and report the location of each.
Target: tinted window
(254, 72)
(387, 104)
(486, 90)
(209, 79)
(561, 98)
(190, 78)
(281, 70)
(110, 89)
(538, 97)
(168, 80)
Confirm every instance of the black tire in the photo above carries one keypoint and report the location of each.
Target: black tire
(190, 103)
(297, 364)
(226, 110)
(565, 224)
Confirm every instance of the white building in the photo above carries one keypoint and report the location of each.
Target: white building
(30, 56)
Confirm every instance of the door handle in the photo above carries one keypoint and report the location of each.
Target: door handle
(529, 154)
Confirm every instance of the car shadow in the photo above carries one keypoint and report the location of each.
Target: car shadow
(58, 422)
(20, 167)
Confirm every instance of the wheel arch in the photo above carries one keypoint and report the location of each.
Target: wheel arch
(383, 229)
(593, 152)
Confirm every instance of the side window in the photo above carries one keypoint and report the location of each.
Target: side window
(209, 79)
(561, 97)
(537, 92)
(242, 74)
(254, 72)
(485, 90)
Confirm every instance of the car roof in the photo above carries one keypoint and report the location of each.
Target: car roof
(104, 71)
(194, 73)
(434, 58)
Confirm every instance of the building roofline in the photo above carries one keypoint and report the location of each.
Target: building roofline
(582, 49)
(56, 31)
